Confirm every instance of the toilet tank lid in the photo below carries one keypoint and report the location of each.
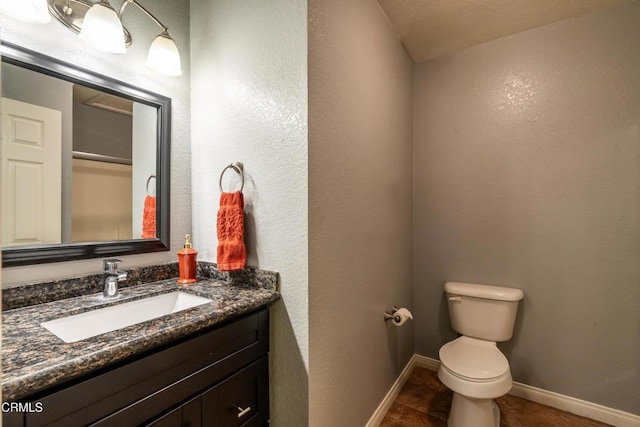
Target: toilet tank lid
(499, 293)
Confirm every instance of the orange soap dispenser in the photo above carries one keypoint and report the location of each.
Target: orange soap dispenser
(187, 262)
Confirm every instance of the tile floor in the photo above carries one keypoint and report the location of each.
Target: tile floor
(425, 401)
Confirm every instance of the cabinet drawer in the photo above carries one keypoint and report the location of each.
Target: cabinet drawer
(150, 385)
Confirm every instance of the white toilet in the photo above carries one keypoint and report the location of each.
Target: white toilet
(471, 365)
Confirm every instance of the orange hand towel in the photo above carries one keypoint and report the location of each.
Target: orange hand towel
(149, 218)
(232, 254)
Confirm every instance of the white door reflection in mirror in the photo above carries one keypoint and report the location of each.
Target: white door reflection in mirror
(31, 174)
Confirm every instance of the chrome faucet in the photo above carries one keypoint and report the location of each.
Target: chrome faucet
(111, 276)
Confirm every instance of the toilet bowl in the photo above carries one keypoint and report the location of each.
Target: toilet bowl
(472, 366)
(477, 372)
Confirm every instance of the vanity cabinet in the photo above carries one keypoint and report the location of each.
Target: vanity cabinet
(220, 377)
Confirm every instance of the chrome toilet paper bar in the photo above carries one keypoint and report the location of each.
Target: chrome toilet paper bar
(398, 316)
(389, 316)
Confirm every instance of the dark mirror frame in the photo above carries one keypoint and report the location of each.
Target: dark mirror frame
(40, 254)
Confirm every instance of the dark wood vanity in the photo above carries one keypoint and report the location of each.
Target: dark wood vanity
(219, 376)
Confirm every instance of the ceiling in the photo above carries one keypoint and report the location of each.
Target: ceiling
(430, 28)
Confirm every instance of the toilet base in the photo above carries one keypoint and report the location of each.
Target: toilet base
(467, 412)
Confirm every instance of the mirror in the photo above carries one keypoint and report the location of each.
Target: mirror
(85, 162)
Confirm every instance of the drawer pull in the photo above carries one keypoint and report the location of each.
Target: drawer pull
(243, 412)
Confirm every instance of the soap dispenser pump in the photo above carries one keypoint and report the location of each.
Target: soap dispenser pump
(187, 262)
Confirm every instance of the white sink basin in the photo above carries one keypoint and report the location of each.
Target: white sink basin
(92, 323)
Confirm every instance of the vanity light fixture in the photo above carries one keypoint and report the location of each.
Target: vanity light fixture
(101, 26)
(102, 29)
(34, 11)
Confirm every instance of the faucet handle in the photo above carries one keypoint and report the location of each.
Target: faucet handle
(111, 265)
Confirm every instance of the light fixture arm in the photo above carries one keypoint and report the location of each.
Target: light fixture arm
(149, 14)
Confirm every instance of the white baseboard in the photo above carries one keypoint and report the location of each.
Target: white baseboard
(555, 400)
(583, 408)
(426, 362)
(388, 400)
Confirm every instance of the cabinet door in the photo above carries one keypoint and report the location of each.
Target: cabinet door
(172, 419)
(12, 419)
(241, 400)
(192, 413)
(187, 415)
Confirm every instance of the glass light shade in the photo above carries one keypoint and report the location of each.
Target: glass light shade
(34, 11)
(163, 56)
(102, 29)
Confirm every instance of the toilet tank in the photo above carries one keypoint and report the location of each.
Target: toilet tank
(483, 311)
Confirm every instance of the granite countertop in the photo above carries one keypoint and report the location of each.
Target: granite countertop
(34, 358)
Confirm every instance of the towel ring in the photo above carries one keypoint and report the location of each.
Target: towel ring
(238, 167)
(149, 180)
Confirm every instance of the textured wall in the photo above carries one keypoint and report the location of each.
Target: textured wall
(55, 40)
(143, 165)
(360, 134)
(249, 103)
(527, 174)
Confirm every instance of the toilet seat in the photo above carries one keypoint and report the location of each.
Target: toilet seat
(474, 360)
(474, 368)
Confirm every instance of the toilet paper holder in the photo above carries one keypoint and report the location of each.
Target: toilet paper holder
(390, 316)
